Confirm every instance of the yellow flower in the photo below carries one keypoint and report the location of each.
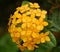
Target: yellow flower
(21, 47)
(34, 20)
(47, 33)
(36, 41)
(24, 19)
(35, 5)
(38, 12)
(45, 23)
(44, 12)
(23, 33)
(33, 15)
(23, 26)
(24, 8)
(29, 32)
(18, 21)
(24, 39)
(15, 39)
(41, 20)
(26, 25)
(28, 13)
(44, 37)
(40, 27)
(30, 47)
(47, 38)
(35, 35)
(42, 40)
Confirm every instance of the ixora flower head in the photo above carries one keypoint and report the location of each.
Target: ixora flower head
(26, 26)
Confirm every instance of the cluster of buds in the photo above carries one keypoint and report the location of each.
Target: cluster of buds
(26, 25)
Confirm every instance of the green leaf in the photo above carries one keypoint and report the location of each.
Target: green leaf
(53, 39)
(25, 2)
(56, 49)
(27, 50)
(6, 44)
(54, 20)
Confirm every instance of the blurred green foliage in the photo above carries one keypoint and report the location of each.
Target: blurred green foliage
(56, 49)
(54, 20)
(6, 44)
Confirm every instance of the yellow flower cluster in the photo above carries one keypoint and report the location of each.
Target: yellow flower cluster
(26, 26)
